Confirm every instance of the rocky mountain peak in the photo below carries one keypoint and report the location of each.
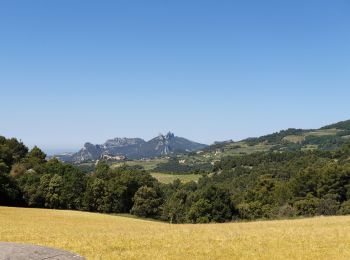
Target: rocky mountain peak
(135, 148)
(88, 145)
(121, 142)
(170, 135)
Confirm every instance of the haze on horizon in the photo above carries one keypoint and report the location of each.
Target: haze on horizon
(78, 71)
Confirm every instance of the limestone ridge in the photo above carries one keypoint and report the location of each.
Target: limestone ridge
(134, 148)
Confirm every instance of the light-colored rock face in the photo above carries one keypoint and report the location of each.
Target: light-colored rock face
(135, 148)
(163, 144)
(121, 142)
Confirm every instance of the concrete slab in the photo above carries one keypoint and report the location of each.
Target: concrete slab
(15, 251)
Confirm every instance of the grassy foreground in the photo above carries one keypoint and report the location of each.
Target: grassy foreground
(98, 236)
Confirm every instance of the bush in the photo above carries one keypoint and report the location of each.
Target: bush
(251, 210)
(344, 208)
(17, 170)
(328, 207)
(312, 206)
(307, 207)
(221, 207)
(287, 211)
(176, 207)
(200, 212)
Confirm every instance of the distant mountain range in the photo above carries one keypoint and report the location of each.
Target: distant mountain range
(133, 148)
(329, 137)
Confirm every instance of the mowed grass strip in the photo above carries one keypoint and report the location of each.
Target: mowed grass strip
(100, 236)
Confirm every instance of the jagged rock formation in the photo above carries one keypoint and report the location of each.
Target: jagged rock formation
(134, 148)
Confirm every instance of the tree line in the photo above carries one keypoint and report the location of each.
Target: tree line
(258, 186)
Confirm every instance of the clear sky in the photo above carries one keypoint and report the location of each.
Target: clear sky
(77, 71)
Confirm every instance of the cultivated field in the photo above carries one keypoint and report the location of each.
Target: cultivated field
(148, 165)
(98, 236)
(300, 138)
(169, 178)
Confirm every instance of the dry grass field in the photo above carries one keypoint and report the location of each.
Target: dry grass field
(169, 178)
(148, 165)
(98, 236)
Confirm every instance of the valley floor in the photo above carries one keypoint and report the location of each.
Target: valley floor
(99, 236)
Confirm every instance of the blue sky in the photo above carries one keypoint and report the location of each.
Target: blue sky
(77, 71)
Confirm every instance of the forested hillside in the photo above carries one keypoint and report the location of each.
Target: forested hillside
(271, 184)
(328, 138)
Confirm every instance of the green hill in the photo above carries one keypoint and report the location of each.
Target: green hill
(291, 173)
(327, 138)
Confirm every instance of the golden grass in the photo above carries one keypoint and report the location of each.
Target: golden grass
(98, 236)
(294, 138)
(147, 165)
(169, 178)
(323, 132)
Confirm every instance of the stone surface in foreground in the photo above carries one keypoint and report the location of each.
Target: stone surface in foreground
(14, 251)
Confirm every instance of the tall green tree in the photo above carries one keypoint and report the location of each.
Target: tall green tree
(147, 202)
